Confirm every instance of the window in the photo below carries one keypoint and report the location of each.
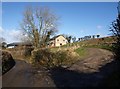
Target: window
(63, 40)
(57, 39)
(60, 43)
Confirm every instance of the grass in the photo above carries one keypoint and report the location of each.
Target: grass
(105, 43)
(81, 51)
(107, 47)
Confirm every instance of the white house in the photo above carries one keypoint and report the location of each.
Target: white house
(58, 41)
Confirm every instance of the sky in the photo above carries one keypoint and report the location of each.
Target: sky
(78, 19)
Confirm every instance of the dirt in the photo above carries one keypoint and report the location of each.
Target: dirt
(87, 72)
(95, 59)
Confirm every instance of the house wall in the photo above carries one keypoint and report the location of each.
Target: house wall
(59, 41)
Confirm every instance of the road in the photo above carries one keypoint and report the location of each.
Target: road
(86, 72)
(17, 76)
(24, 75)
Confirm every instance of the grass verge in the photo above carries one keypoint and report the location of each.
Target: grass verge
(107, 47)
(82, 52)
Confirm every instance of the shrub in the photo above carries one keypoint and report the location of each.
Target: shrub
(27, 51)
(47, 58)
(43, 57)
(65, 58)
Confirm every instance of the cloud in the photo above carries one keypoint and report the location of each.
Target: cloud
(10, 35)
(15, 33)
(1, 30)
(99, 27)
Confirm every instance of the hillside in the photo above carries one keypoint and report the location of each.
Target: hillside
(105, 43)
(97, 41)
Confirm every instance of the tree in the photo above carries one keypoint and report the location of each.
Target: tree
(49, 33)
(82, 39)
(115, 28)
(2, 39)
(74, 39)
(93, 36)
(98, 36)
(79, 39)
(69, 39)
(4, 44)
(89, 37)
(37, 23)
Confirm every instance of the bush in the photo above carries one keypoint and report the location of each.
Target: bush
(47, 58)
(61, 56)
(43, 57)
(27, 51)
(66, 58)
(7, 61)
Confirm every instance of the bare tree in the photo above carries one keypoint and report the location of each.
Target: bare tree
(115, 28)
(37, 23)
(2, 39)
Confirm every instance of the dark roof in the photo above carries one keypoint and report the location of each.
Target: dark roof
(20, 44)
(56, 37)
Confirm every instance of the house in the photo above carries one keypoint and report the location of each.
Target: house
(53, 42)
(15, 44)
(58, 41)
